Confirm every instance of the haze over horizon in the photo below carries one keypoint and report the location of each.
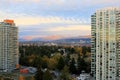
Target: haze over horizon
(52, 19)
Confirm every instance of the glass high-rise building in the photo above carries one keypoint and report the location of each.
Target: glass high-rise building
(105, 41)
(8, 46)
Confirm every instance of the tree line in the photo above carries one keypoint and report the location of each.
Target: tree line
(66, 60)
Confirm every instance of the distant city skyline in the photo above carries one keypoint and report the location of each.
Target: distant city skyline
(52, 19)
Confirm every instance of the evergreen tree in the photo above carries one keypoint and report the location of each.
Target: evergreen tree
(79, 64)
(47, 75)
(67, 59)
(37, 62)
(84, 50)
(39, 74)
(72, 67)
(61, 64)
(65, 74)
(83, 64)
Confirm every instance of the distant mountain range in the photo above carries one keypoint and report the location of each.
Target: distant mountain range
(79, 39)
(35, 39)
(73, 40)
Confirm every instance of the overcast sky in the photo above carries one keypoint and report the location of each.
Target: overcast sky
(52, 19)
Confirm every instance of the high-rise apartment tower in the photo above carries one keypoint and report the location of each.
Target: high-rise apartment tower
(8, 46)
(105, 41)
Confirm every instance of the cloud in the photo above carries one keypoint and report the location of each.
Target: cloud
(56, 5)
(46, 20)
(63, 5)
(28, 37)
(71, 28)
(48, 17)
(23, 19)
(52, 37)
(36, 26)
(63, 8)
(14, 1)
(55, 27)
(61, 31)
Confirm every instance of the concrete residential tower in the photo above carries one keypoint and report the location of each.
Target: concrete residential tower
(8, 46)
(105, 41)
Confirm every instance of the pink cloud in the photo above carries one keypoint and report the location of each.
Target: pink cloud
(28, 37)
(53, 37)
(25, 1)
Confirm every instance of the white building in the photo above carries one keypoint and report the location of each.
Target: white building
(83, 76)
(105, 51)
(8, 46)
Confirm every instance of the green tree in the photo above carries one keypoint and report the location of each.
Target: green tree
(65, 74)
(72, 67)
(37, 62)
(39, 73)
(52, 63)
(67, 59)
(47, 75)
(78, 50)
(61, 63)
(45, 61)
(79, 64)
(88, 49)
(84, 50)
